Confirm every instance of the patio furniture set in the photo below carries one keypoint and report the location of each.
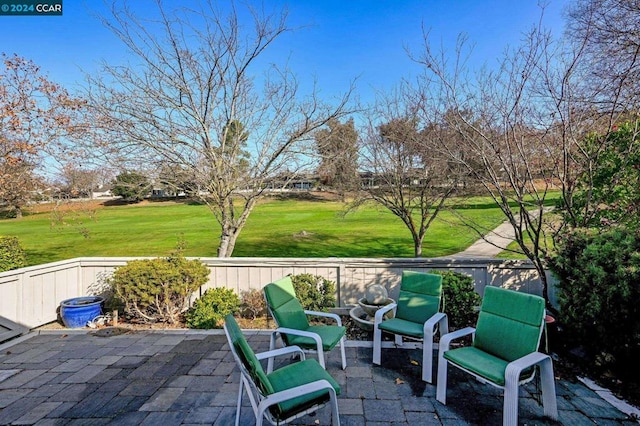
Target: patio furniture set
(503, 351)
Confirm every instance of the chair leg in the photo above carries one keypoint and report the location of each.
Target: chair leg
(377, 343)
(441, 389)
(548, 389)
(427, 358)
(510, 408)
(343, 353)
(239, 404)
(272, 346)
(322, 360)
(259, 417)
(335, 416)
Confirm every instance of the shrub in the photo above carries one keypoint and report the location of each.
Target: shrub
(460, 299)
(158, 290)
(12, 256)
(210, 309)
(252, 304)
(599, 296)
(131, 186)
(315, 293)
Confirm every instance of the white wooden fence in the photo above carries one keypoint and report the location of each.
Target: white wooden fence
(31, 296)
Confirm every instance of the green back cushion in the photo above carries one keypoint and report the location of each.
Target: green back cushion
(285, 307)
(420, 296)
(510, 323)
(247, 356)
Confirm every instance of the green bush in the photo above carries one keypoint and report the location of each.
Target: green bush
(315, 293)
(158, 290)
(599, 297)
(12, 256)
(252, 304)
(131, 186)
(210, 309)
(460, 299)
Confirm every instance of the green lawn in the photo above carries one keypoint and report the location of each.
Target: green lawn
(276, 228)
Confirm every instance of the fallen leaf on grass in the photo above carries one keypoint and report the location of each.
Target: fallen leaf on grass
(399, 381)
(414, 362)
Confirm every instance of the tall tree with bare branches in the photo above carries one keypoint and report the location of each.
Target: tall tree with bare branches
(608, 30)
(409, 177)
(542, 119)
(36, 117)
(520, 127)
(198, 97)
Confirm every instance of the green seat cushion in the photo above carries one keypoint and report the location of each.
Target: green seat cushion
(247, 356)
(403, 327)
(254, 367)
(291, 315)
(285, 307)
(509, 327)
(479, 362)
(483, 364)
(416, 307)
(280, 292)
(509, 324)
(420, 296)
(298, 374)
(421, 282)
(329, 334)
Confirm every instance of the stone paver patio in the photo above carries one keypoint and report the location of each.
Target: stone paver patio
(183, 378)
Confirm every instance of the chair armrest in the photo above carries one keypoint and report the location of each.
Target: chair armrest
(314, 336)
(326, 315)
(445, 341)
(547, 383)
(437, 318)
(514, 368)
(282, 351)
(278, 397)
(380, 312)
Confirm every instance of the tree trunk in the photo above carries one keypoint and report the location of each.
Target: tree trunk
(417, 246)
(545, 286)
(227, 243)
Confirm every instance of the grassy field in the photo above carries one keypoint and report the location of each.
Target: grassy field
(276, 228)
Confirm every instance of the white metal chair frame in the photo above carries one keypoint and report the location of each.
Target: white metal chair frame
(316, 337)
(512, 378)
(429, 331)
(261, 403)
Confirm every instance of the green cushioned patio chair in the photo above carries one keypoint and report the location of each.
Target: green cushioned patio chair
(285, 394)
(504, 350)
(416, 317)
(293, 324)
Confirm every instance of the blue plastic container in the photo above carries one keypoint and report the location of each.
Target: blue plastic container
(76, 312)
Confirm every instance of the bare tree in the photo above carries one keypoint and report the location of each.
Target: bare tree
(608, 29)
(36, 117)
(199, 78)
(605, 32)
(519, 126)
(408, 176)
(78, 182)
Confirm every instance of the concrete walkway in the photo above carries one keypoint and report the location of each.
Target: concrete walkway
(492, 244)
(495, 242)
(189, 378)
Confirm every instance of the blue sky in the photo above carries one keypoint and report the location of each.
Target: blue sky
(339, 40)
